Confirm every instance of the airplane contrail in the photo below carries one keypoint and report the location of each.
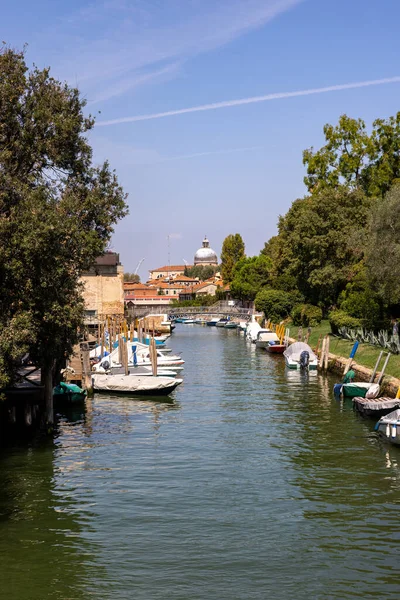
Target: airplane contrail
(252, 100)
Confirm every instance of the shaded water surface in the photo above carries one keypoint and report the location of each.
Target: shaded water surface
(252, 483)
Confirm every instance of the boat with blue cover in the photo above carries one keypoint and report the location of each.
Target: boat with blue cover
(68, 392)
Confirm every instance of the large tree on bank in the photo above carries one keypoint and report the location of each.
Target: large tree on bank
(57, 212)
(233, 250)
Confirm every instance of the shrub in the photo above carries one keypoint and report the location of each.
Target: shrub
(276, 304)
(339, 319)
(362, 305)
(306, 315)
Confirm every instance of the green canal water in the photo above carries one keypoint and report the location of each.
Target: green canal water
(253, 483)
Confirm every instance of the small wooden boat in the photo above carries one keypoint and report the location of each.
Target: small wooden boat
(275, 348)
(300, 356)
(68, 392)
(375, 407)
(389, 427)
(135, 385)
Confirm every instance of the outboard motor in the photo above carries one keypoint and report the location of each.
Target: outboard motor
(304, 359)
(105, 364)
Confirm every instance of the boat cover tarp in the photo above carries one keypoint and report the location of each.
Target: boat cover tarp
(392, 418)
(294, 350)
(376, 404)
(266, 335)
(133, 383)
(357, 388)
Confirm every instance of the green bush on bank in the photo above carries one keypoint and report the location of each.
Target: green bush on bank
(306, 315)
(339, 319)
(275, 304)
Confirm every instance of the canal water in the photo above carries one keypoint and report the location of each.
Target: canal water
(252, 483)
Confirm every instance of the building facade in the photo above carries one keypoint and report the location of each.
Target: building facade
(103, 288)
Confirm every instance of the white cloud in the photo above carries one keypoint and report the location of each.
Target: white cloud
(121, 44)
(251, 100)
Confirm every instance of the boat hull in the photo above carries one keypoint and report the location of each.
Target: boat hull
(276, 348)
(375, 407)
(132, 385)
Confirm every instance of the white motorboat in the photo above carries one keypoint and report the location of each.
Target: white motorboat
(141, 358)
(389, 427)
(300, 356)
(264, 337)
(134, 385)
(252, 331)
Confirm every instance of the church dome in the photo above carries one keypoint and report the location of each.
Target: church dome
(205, 255)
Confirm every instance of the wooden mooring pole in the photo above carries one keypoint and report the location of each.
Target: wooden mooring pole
(86, 370)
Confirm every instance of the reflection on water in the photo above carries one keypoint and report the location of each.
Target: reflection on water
(251, 482)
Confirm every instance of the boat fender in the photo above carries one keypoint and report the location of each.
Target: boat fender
(387, 430)
(337, 389)
(394, 431)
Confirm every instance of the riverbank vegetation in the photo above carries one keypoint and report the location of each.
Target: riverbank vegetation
(57, 212)
(337, 251)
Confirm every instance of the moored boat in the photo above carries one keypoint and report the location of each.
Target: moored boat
(213, 322)
(221, 322)
(276, 347)
(300, 356)
(264, 337)
(389, 427)
(68, 392)
(230, 325)
(353, 389)
(134, 385)
(375, 407)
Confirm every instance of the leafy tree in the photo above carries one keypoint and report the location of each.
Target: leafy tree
(383, 247)
(232, 252)
(354, 158)
(203, 272)
(275, 304)
(131, 277)
(318, 240)
(250, 276)
(57, 213)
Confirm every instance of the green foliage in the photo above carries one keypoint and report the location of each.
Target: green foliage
(306, 315)
(57, 214)
(339, 319)
(354, 158)
(250, 276)
(383, 247)
(363, 306)
(131, 277)
(233, 250)
(203, 272)
(318, 247)
(275, 304)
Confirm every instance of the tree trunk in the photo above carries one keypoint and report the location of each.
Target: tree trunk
(47, 381)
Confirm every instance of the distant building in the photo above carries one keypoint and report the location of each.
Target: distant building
(103, 290)
(168, 271)
(205, 256)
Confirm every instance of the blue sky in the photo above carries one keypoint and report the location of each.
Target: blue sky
(217, 171)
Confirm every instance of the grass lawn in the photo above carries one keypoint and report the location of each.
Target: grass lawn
(366, 354)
